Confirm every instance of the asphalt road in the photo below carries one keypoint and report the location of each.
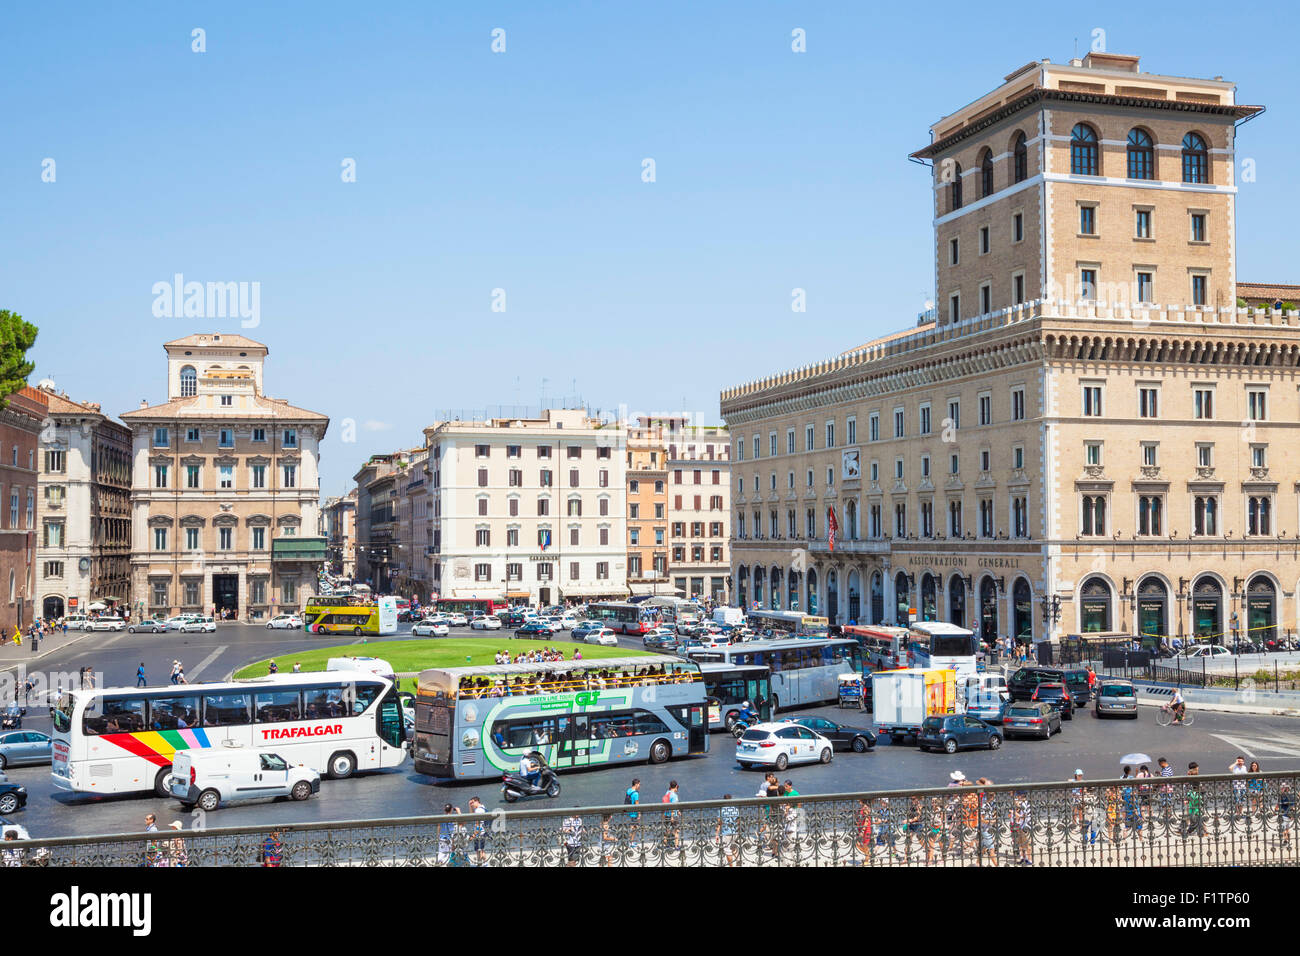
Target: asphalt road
(1094, 746)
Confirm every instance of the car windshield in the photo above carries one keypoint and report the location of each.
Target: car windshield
(1023, 712)
(755, 735)
(1117, 690)
(932, 723)
(1047, 690)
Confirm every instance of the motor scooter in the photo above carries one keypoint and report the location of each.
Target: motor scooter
(745, 719)
(13, 717)
(516, 785)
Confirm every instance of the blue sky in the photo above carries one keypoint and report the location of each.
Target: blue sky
(521, 171)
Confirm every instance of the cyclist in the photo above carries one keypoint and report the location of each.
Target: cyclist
(1178, 706)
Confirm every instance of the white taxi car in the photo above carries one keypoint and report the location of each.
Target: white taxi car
(430, 627)
(780, 744)
(288, 621)
(601, 635)
(488, 622)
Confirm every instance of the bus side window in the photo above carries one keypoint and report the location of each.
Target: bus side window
(225, 710)
(365, 694)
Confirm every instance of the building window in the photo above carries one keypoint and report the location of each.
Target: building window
(1018, 457)
(830, 434)
(55, 462)
(191, 539)
(160, 438)
(873, 427)
(1020, 159)
(1150, 451)
(1092, 453)
(1083, 151)
(573, 570)
(1017, 404)
(986, 299)
(1205, 454)
(986, 409)
(924, 417)
(1257, 404)
(1149, 514)
(927, 519)
(160, 476)
(290, 476)
(290, 438)
(160, 539)
(191, 476)
(160, 591)
(1088, 284)
(259, 539)
(1017, 227)
(226, 476)
(259, 434)
(1088, 220)
(1203, 402)
(954, 414)
(573, 451)
(1259, 456)
(1148, 401)
(954, 519)
(900, 519)
(54, 569)
(986, 174)
(53, 534)
(257, 591)
(954, 252)
(898, 423)
(986, 518)
(1257, 514)
(483, 537)
(1018, 288)
(1198, 227)
(483, 572)
(227, 401)
(808, 438)
(482, 451)
(225, 538)
(1094, 515)
(514, 572)
(954, 192)
(573, 477)
(1141, 155)
(1205, 514)
(1092, 401)
(189, 381)
(1200, 290)
(543, 451)
(1142, 224)
(1196, 159)
(953, 465)
(852, 426)
(1020, 517)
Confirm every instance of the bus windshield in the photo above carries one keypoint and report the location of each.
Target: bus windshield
(63, 713)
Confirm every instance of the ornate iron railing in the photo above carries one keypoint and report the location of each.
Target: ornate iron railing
(1220, 820)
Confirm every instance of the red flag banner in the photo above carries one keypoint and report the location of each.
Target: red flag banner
(831, 526)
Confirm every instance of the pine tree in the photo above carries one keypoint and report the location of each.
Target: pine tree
(16, 337)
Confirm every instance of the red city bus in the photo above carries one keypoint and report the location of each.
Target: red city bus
(470, 606)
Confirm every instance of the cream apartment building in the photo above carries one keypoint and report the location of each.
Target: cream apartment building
(83, 508)
(1087, 435)
(699, 510)
(225, 492)
(529, 509)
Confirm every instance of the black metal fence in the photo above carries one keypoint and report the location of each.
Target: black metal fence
(1219, 820)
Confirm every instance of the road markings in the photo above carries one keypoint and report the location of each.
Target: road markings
(206, 661)
(1290, 746)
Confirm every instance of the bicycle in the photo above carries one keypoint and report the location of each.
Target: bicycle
(1165, 716)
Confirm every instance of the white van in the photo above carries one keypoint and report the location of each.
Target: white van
(728, 615)
(211, 777)
(365, 665)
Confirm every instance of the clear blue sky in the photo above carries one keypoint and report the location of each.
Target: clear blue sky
(522, 171)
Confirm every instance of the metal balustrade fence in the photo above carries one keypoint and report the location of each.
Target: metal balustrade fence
(1219, 820)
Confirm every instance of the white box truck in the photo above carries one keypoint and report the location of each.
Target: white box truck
(728, 615)
(903, 699)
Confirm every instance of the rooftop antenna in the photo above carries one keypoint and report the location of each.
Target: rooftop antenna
(1076, 48)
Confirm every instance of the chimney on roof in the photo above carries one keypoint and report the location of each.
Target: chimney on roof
(144, 403)
(1118, 62)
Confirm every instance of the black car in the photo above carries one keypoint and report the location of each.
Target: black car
(534, 630)
(841, 736)
(660, 642)
(1031, 719)
(1025, 680)
(957, 732)
(12, 797)
(1058, 695)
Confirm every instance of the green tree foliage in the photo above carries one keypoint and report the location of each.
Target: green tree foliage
(16, 337)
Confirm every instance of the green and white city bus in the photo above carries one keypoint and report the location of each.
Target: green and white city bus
(477, 722)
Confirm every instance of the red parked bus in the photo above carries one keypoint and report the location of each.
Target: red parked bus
(470, 606)
(620, 617)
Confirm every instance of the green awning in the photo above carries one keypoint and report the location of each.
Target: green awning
(298, 549)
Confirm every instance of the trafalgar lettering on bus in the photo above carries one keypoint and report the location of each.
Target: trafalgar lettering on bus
(280, 733)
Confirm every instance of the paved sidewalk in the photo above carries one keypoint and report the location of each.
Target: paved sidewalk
(11, 655)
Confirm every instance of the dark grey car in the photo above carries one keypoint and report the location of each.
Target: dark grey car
(1031, 718)
(1116, 698)
(23, 746)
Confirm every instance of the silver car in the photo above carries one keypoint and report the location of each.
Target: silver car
(19, 747)
(1116, 698)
